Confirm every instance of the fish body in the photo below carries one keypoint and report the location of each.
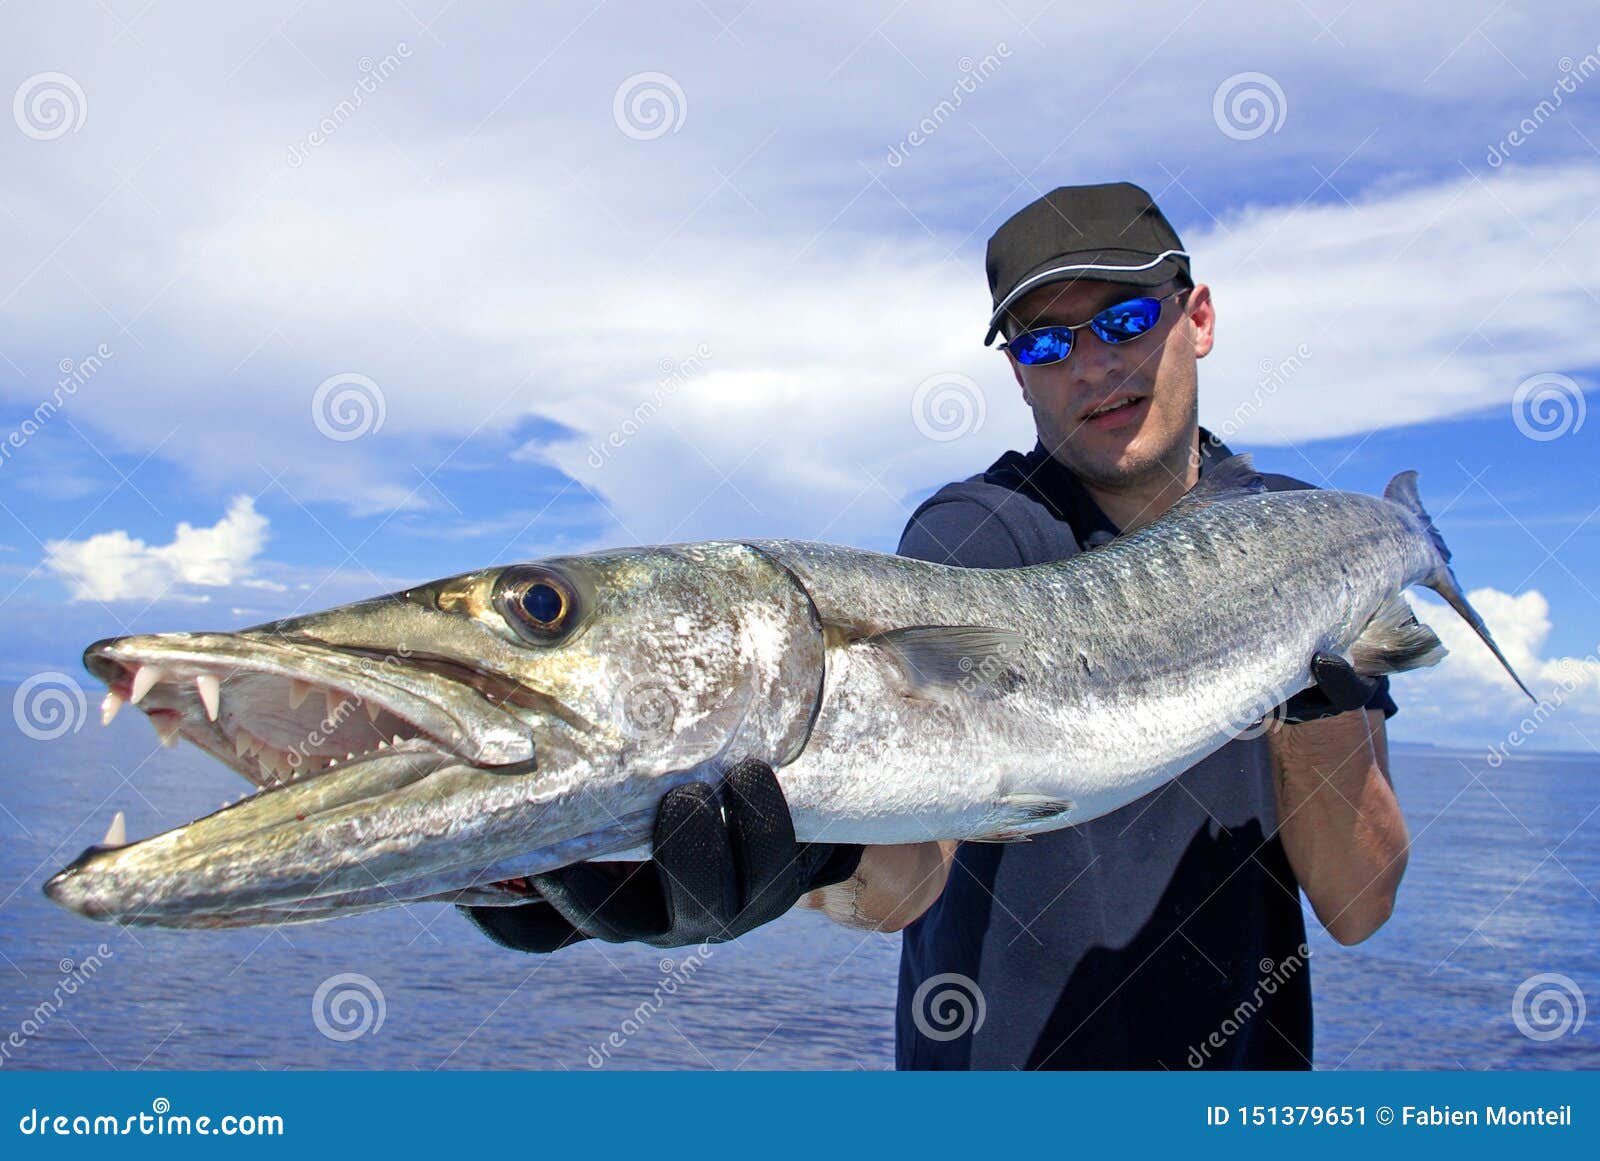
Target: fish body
(444, 742)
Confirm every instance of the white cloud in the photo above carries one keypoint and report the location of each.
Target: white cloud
(486, 245)
(113, 566)
(1467, 699)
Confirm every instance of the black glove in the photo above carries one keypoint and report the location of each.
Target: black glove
(1337, 689)
(725, 862)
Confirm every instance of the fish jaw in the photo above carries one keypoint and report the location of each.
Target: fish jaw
(275, 711)
(503, 761)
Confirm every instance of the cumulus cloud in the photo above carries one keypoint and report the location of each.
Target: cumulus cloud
(113, 566)
(1467, 699)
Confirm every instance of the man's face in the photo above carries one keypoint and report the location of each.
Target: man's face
(1152, 375)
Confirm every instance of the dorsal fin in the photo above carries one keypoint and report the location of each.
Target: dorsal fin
(1231, 478)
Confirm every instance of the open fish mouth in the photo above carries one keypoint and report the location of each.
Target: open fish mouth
(278, 713)
(318, 730)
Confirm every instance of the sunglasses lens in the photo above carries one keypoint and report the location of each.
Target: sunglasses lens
(1126, 320)
(1045, 345)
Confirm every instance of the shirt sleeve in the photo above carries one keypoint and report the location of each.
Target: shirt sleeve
(961, 532)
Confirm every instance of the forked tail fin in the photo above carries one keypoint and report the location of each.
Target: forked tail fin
(1402, 490)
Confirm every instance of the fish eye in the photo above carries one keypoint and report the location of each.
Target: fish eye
(539, 604)
(544, 603)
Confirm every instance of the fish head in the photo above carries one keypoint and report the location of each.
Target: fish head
(415, 743)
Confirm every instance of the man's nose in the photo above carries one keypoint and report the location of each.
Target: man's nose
(1095, 360)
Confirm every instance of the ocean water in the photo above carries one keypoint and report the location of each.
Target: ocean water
(1503, 888)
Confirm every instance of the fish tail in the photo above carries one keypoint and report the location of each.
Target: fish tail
(1402, 490)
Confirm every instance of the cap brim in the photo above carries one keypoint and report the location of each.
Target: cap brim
(1132, 269)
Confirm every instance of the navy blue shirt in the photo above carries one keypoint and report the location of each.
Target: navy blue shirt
(1166, 934)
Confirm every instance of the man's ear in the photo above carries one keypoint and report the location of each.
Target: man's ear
(1202, 313)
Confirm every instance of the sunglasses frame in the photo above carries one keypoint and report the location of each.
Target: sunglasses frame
(1073, 328)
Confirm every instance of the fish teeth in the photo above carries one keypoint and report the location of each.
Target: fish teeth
(373, 709)
(334, 699)
(298, 691)
(117, 832)
(167, 727)
(244, 743)
(112, 702)
(210, 687)
(143, 682)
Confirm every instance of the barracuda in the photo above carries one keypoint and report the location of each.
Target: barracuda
(445, 742)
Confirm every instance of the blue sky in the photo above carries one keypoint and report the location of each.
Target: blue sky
(507, 229)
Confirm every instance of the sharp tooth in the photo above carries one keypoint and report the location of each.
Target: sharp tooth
(298, 691)
(109, 708)
(117, 832)
(245, 743)
(167, 726)
(396, 739)
(335, 699)
(350, 757)
(373, 709)
(210, 688)
(382, 745)
(143, 682)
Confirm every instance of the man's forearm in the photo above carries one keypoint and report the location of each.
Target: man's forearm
(892, 886)
(1339, 821)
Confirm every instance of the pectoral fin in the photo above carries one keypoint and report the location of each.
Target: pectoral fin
(973, 659)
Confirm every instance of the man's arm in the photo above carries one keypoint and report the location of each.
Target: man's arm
(891, 888)
(1339, 821)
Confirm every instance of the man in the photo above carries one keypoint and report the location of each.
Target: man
(1165, 934)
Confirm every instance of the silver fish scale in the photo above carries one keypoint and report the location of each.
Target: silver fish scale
(1130, 655)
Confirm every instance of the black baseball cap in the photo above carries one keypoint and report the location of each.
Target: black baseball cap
(1103, 233)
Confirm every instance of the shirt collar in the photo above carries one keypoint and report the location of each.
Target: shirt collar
(1064, 494)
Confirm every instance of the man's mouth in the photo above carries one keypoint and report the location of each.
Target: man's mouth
(1118, 407)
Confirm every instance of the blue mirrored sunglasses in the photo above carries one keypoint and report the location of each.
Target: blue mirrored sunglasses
(1119, 323)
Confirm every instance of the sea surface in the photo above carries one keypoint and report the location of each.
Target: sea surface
(1502, 896)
